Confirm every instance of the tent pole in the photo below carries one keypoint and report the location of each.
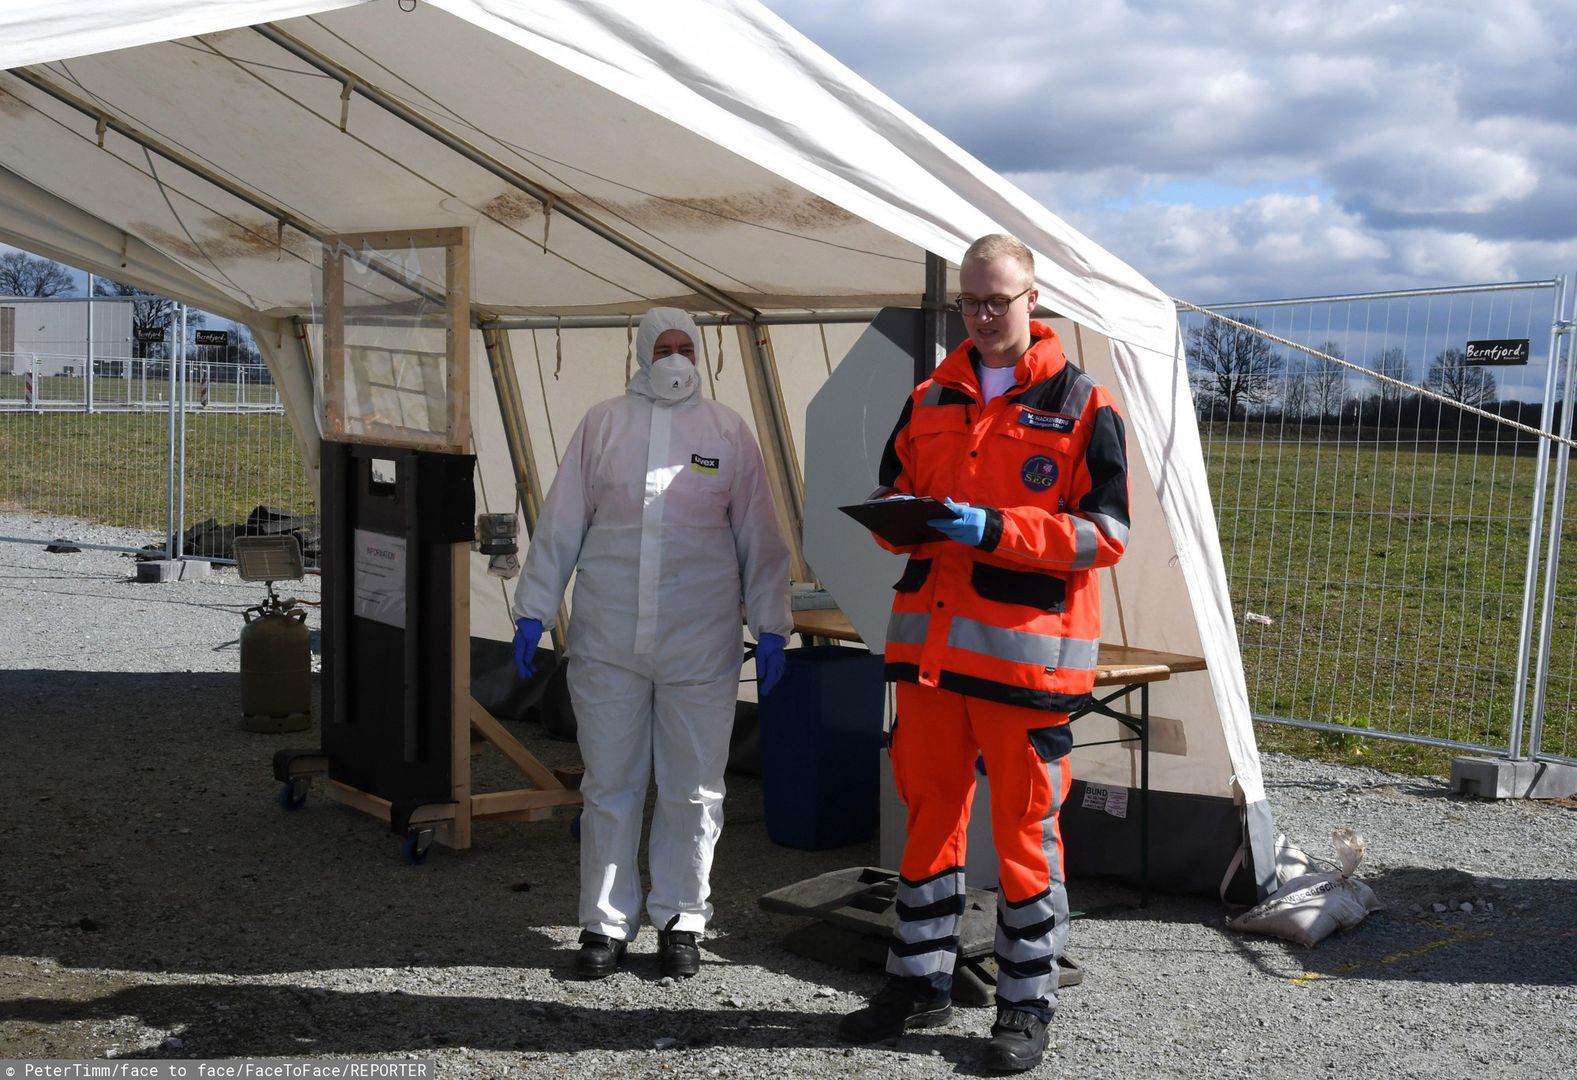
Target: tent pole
(776, 439)
(517, 436)
(933, 337)
(476, 156)
(311, 448)
(858, 316)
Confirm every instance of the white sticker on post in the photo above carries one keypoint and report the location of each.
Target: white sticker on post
(1117, 802)
(1094, 797)
(380, 578)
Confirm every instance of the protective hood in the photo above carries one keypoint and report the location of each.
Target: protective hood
(644, 383)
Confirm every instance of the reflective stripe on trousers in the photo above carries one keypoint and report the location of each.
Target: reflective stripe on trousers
(935, 742)
(925, 941)
(1031, 932)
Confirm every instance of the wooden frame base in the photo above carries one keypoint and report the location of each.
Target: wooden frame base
(451, 821)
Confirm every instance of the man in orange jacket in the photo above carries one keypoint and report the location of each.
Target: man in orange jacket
(993, 642)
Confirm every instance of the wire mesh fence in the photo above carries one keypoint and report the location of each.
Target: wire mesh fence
(1376, 538)
(194, 446)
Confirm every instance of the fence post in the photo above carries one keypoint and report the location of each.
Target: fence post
(180, 468)
(1530, 577)
(204, 391)
(87, 384)
(1561, 341)
(169, 469)
(29, 384)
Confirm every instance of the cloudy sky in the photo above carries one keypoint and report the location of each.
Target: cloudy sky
(1234, 151)
(1237, 151)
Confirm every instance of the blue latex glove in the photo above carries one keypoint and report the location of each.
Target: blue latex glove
(770, 662)
(969, 527)
(527, 633)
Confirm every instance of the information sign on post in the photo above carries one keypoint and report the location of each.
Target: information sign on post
(211, 337)
(1501, 352)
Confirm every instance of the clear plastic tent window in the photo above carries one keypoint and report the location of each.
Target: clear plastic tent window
(392, 370)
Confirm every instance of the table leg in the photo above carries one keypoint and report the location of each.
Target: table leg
(1144, 794)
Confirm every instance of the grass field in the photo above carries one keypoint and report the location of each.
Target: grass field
(111, 468)
(1391, 573)
(1390, 570)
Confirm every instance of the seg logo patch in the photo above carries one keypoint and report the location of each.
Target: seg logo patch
(1039, 473)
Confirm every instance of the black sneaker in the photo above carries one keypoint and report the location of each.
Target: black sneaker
(1018, 1040)
(678, 956)
(599, 955)
(891, 1013)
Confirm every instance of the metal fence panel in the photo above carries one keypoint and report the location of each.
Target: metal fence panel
(1375, 539)
(147, 444)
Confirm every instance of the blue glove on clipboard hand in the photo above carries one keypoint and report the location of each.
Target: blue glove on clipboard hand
(969, 527)
(527, 633)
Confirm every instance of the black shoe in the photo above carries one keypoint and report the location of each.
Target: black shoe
(891, 1013)
(1018, 1039)
(677, 953)
(599, 955)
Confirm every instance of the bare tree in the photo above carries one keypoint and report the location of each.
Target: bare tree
(22, 274)
(1386, 399)
(1328, 383)
(1295, 397)
(150, 314)
(1451, 375)
(1233, 366)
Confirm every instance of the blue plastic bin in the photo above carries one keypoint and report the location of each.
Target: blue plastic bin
(821, 740)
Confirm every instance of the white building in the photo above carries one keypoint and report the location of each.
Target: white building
(50, 336)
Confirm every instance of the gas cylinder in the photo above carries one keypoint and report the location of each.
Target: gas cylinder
(276, 667)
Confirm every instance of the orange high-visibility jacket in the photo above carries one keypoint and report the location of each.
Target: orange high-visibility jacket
(1017, 619)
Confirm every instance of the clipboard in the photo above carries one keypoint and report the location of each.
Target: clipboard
(900, 522)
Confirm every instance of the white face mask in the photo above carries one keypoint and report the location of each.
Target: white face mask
(673, 377)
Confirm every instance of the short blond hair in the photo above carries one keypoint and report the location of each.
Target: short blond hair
(996, 246)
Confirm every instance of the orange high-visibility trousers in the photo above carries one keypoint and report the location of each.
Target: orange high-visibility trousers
(936, 739)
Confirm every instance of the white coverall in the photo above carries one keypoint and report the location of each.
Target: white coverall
(662, 505)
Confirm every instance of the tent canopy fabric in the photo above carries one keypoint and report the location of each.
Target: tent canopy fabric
(606, 156)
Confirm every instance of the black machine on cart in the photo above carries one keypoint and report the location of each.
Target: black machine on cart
(398, 508)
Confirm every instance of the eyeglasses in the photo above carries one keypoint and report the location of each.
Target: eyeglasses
(995, 306)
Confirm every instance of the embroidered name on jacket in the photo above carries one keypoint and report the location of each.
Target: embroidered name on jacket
(704, 464)
(1045, 421)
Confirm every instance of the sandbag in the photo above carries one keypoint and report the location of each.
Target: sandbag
(1311, 907)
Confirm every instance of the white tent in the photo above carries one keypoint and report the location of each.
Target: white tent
(606, 155)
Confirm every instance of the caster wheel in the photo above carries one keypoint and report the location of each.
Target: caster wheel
(414, 849)
(293, 793)
(574, 825)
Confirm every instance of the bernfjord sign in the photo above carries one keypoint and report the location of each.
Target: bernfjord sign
(1500, 353)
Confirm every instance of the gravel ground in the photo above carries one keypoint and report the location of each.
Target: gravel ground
(156, 902)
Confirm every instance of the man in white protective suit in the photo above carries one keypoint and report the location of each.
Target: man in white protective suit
(661, 503)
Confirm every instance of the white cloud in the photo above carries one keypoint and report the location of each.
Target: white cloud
(1385, 145)
(1289, 245)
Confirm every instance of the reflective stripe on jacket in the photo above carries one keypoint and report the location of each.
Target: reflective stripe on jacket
(1017, 619)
